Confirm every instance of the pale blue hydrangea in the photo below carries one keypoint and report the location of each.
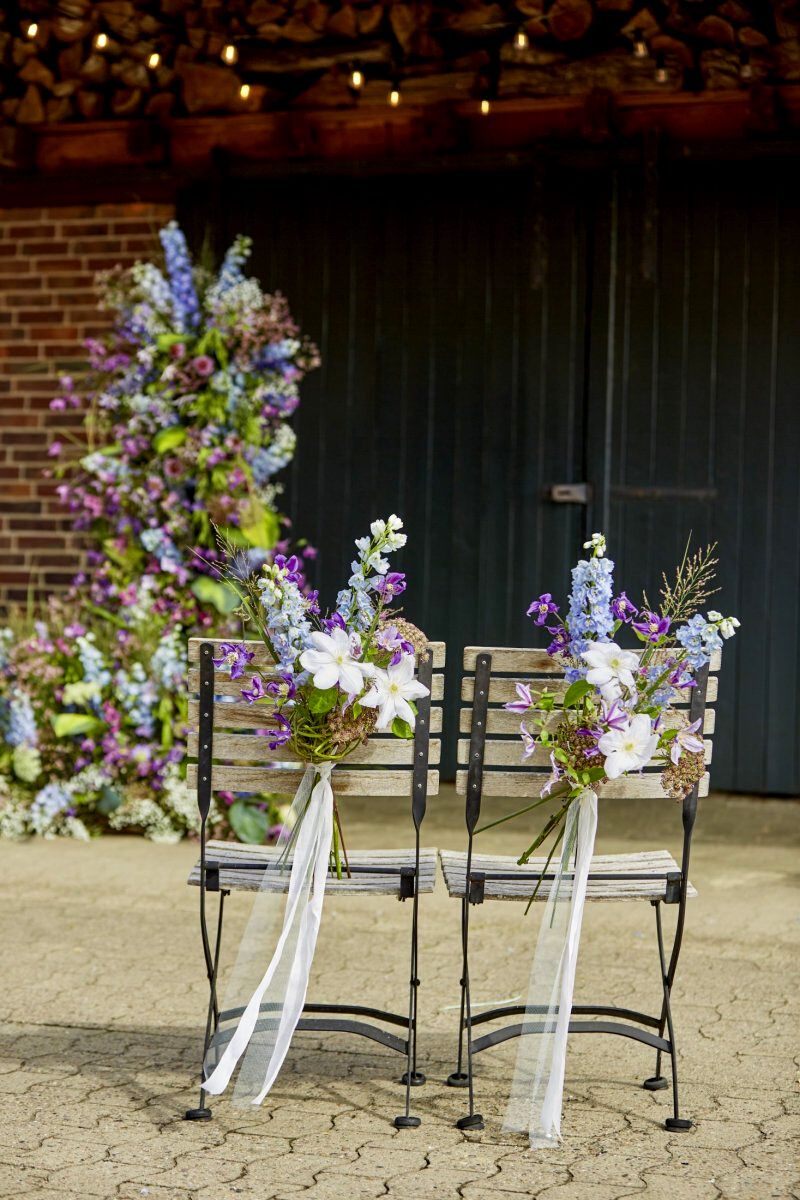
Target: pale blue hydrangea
(137, 694)
(48, 804)
(160, 544)
(699, 639)
(273, 458)
(168, 663)
(17, 721)
(93, 663)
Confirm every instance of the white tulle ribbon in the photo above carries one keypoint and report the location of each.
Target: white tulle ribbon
(538, 1085)
(264, 1031)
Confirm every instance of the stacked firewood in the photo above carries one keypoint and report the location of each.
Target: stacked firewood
(82, 60)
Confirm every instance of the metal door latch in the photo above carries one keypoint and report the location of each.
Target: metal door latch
(570, 493)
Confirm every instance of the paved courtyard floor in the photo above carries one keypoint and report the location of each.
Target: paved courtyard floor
(103, 996)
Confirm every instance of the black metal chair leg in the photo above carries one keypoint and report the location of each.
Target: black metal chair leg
(412, 1077)
(657, 1082)
(472, 1121)
(458, 1078)
(674, 1123)
(203, 1112)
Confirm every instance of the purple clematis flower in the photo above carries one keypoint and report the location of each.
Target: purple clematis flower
(525, 700)
(528, 741)
(334, 622)
(560, 640)
(540, 609)
(686, 739)
(623, 609)
(390, 639)
(255, 692)
(680, 680)
(390, 585)
(291, 565)
(280, 735)
(234, 656)
(614, 716)
(652, 626)
(285, 690)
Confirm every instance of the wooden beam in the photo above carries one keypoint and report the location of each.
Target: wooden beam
(411, 132)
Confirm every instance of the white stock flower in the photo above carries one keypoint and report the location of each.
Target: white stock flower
(628, 749)
(331, 662)
(391, 691)
(610, 667)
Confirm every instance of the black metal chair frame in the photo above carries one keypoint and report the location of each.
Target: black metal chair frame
(675, 892)
(333, 1017)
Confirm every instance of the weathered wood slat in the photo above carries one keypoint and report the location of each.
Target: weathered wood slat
(346, 781)
(498, 721)
(264, 660)
(228, 853)
(530, 783)
(225, 686)
(454, 865)
(509, 754)
(242, 716)
(502, 690)
(529, 662)
(379, 751)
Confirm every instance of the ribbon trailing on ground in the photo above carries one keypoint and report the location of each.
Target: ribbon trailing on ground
(538, 1085)
(268, 1021)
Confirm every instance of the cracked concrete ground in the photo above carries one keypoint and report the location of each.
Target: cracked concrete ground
(103, 999)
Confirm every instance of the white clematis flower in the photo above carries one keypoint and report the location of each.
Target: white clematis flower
(628, 749)
(331, 662)
(610, 668)
(391, 691)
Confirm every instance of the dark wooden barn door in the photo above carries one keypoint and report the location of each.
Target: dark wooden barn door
(487, 336)
(695, 424)
(450, 315)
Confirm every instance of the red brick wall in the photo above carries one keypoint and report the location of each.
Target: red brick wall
(48, 259)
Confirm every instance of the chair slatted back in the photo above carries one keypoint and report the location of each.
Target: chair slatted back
(243, 762)
(500, 763)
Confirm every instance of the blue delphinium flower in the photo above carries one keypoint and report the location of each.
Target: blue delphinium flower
(17, 722)
(185, 305)
(92, 661)
(590, 618)
(699, 639)
(230, 273)
(48, 803)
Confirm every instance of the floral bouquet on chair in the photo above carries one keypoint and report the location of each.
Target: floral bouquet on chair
(618, 711)
(340, 676)
(615, 713)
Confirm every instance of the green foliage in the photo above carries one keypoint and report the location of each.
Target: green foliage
(248, 822)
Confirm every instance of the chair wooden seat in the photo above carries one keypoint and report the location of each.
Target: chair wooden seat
(647, 862)
(382, 878)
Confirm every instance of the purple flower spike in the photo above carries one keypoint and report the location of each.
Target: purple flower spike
(623, 609)
(525, 700)
(540, 609)
(652, 626)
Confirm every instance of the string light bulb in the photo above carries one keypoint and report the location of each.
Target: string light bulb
(745, 66)
(154, 60)
(521, 39)
(100, 41)
(486, 107)
(661, 74)
(639, 44)
(394, 96)
(32, 30)
(356, 79)
(244, 91)
(229, 54)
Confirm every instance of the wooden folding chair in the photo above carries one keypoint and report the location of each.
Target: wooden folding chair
(491, 756)
(225, 754)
